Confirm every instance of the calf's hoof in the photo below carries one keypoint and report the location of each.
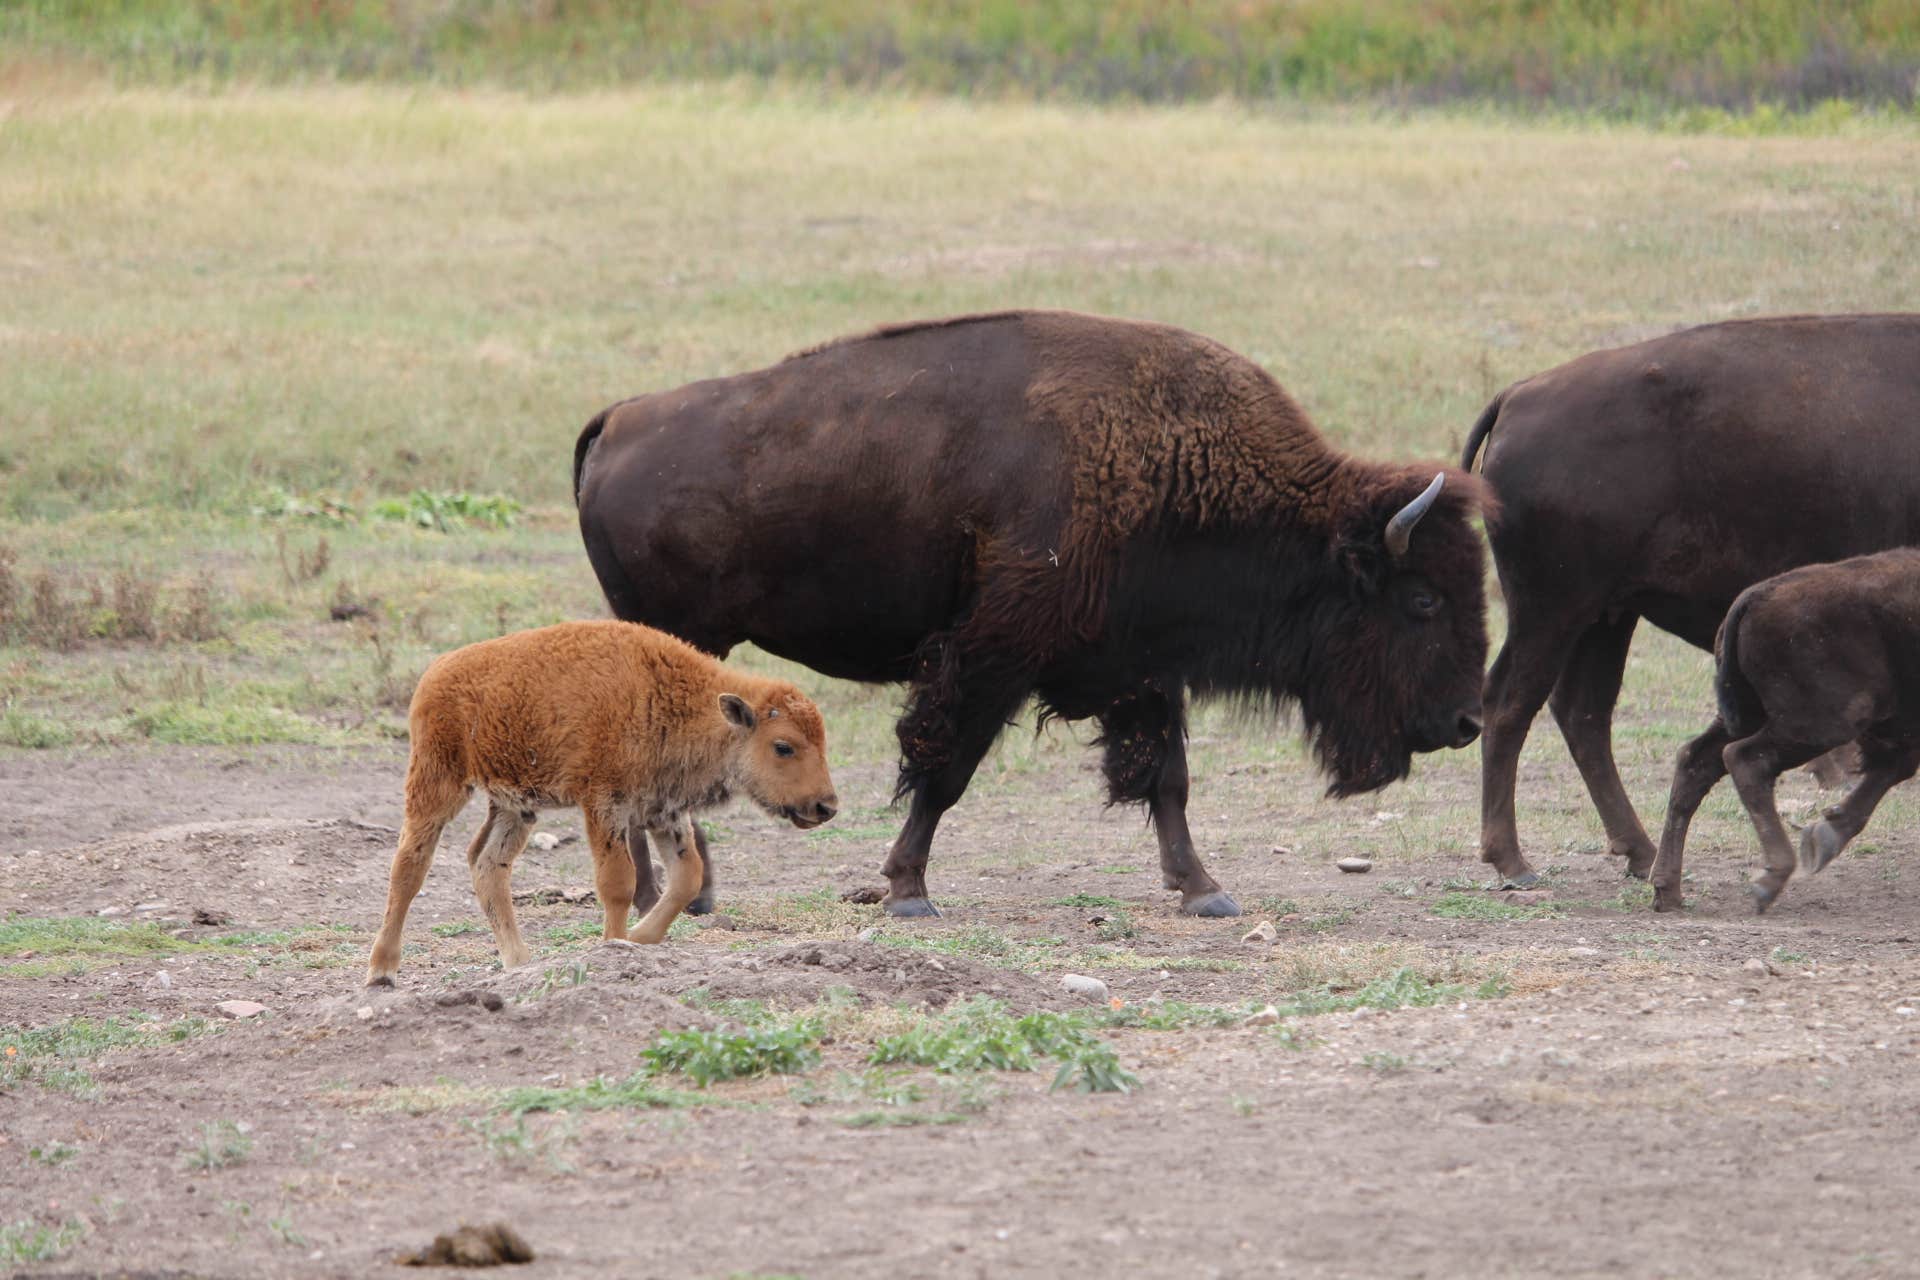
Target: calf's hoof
(1217, 904)
(1763, 897)
(381, 980)
(910, 908)
(702, 905)
(1819, 845)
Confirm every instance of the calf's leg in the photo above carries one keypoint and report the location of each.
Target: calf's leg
(1756, 763)
(1882, 768)
(490, 858)
(433, 797)
(681, 851)
(646, 893)
(1143, 737)
(1696, 770)
(613, 867)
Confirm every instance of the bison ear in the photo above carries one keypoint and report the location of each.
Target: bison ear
(1365, 565)
(738, 713)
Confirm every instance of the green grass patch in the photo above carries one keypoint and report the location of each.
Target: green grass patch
(1643, 60)
(1088, 900)
(637, 1092)
(461, 928)
(1404, 988)
(981, 1035)
(222, 1144)
(46, 1056)
(22, 729)
(1171, 1015)
(705, 1057)
(1488, 906)
(25, 1240)
(86, 936)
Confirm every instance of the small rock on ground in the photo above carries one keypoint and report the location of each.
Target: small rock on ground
(1525, 897)
(1583, 953)
(1267, 1017)
(1355, 866)
(239, 1009)
(544, 840)
(1262, 932)
(1081, 985)
(1757, 966)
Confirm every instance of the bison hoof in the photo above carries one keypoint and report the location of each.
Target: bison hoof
(383, 980)
(1819, 845)
(1763, 897)
(910, 908)
(1523, 880)
(1665, 900)
(701, 905)
(1217, 904)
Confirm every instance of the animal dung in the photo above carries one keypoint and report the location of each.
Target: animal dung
(1355, 866)
(471, 1246)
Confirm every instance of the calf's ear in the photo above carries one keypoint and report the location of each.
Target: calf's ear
(738, 713)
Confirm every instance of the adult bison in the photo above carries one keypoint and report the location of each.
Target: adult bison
(1659, 481)
(1098, 513)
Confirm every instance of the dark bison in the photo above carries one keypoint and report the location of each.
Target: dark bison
(1809, 660)
(1097, 513)
(1659, 481)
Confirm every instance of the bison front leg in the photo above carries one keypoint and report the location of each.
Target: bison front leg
(1756, 764)
(1144, 742)
(681, 850)
(944, 734)
(1517, 687)
(1881, 770)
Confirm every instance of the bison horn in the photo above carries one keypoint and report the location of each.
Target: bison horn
(1400, 528)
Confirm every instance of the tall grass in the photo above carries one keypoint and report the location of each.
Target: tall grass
(1629, 56)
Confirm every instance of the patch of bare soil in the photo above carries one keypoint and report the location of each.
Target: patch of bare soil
(1707, 1094)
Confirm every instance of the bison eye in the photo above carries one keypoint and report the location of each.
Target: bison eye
(1424, 604)
(783, 748)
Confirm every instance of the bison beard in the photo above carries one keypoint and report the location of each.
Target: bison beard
(1094, 514)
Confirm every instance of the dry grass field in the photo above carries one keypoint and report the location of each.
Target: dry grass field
(269, 356)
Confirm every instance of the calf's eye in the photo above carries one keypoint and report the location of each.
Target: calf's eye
(781, 748)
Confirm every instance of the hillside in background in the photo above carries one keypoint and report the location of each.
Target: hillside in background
(1634, 57)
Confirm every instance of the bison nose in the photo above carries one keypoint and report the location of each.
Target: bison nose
(825, 809)
(1467, 730)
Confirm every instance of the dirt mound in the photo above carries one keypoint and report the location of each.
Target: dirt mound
(804, 972)
(255, 872)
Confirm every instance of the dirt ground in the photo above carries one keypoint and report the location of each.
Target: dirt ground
(1642, 1101)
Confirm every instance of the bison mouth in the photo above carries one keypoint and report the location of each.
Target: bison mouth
(1375, 774)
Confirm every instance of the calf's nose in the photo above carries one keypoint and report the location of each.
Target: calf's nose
(825, 809)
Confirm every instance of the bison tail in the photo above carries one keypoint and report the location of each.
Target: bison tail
(589, 436)
(1741, 711)
(1481, 430)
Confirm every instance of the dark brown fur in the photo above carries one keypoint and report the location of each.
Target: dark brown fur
(1807, 661)
(1097, 513)
(1660, 480)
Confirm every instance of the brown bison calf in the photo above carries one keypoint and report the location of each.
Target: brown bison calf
(1808, 660)
(635, 727)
